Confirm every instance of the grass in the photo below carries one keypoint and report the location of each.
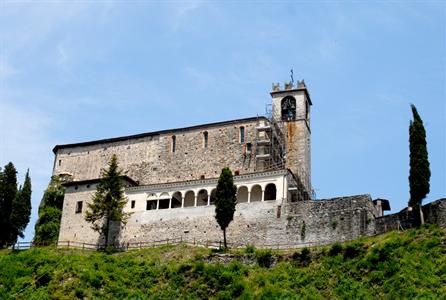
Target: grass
(391, 266)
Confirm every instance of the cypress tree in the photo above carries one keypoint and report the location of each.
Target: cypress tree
(108, 202)
(21, 210)
(8, 191)
(225, 201)
(50, 212)
(419, 174)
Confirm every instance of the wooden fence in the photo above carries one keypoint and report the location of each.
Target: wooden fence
(125, 246)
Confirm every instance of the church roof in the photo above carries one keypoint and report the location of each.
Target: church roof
(146, 134)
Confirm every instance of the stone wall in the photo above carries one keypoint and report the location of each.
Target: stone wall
(330, 220)
(258, 223)
(149, 159)
(434, 213)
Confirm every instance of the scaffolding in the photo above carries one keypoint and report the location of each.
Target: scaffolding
(270, 143)
(270, 152)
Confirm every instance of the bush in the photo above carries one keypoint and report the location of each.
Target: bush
(353, 250)
(264, 258)
(250, 249)
(303, 257)
(335, 249)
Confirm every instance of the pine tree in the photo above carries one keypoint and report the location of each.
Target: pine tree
(21, 210)
(108, 201)
(419, 174)
(8, 191)
(50, 212)
(225, 201)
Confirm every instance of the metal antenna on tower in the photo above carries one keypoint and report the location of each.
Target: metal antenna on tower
(292, 77)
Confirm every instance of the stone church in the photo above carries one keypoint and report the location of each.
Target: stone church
(170, 179)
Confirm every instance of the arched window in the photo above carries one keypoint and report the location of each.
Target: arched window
(202, 198)
(205, 139)
(176, 200)
(242, 135)
(174, 143)
(189, 199)
(256, 193)
(242, 194)
(288, 108)
(270, 192)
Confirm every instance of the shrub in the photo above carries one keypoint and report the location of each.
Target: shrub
(334, 224)
(303, 257)
(250, 249)
(335, 249)
(264, 258)
(353, 250)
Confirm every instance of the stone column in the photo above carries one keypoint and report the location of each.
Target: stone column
(157, 204)
(170, 203)
(182, 200)
(263, 195)
(195, 203)
(249, 196)
(209, 199)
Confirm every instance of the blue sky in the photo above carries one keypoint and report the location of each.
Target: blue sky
(79, 71)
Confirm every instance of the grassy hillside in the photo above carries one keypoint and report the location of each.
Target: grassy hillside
(392, 266)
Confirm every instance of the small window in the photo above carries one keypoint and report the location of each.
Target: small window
(248, 147)
(60, 162)
(242, 135)
(205, 139)
(78, 207)
(174, 143)
(133, 204)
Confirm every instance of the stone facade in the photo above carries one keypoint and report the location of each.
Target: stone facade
(171, 177)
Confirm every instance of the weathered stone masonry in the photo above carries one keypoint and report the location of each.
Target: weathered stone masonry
(171, 177)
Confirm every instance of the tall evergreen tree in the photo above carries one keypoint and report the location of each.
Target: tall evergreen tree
(108, 201)
(21, 210)
(50, 212)
(8, 191)
(225, 201)
(419, 174)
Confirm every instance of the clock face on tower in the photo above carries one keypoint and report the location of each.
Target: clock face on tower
(288, 108)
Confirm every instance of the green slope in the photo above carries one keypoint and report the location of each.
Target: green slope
(391, 266)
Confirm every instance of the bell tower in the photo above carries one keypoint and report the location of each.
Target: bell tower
(291, 109)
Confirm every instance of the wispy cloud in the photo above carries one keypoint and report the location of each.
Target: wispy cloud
(181, 11)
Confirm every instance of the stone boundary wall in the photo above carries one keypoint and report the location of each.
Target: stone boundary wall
(434, 213)
(330, 220)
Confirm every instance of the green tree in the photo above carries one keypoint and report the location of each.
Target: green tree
(21, 210)
(8, 191)
(108, 201)
(225, 201)
(50, 212)
(419, 174)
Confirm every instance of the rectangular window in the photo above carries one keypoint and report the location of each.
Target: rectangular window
(78, 207)
(133, 204)
(205, 139)
(151, 204)
(174, 143)
(164, 203)
(242, 135)
(248, 147)
(60, 162)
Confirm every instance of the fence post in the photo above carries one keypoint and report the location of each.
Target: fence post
(83, 246)
(68, 244)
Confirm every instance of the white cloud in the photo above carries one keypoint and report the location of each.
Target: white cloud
(181, 11)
